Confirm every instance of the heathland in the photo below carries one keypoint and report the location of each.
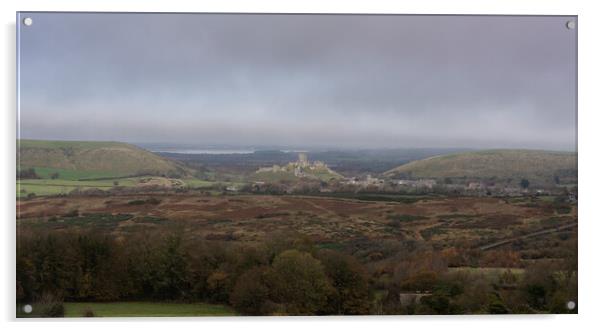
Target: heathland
(207, 236)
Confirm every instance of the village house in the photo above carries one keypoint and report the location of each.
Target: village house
(475, 186)
(367, 181)
(421, 183)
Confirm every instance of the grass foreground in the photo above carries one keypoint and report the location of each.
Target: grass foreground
(140, 309)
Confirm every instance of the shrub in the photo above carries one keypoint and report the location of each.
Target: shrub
(88, 312)
(51, 306)
(251, 293)
(496, 305)
(437, 303)
(152, 201)
(352, 295)
(300, 283)
(524, 183)
(28, 173)
(55, 309)
(536, 296)
(422, 281)
(72, 214)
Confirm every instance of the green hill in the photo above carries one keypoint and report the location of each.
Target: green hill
(74, 160)
(288, 175)
(543, 167)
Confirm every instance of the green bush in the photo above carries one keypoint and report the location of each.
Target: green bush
(50, 306)
(299, 282)
(88, 313)
(251, 293)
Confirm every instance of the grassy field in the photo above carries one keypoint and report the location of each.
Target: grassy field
(121, 309)
(322, 175)
(491, 273)
(537, 166)
(138, 309)
(41, 190)
(67, 174)
(274, 176)
(46, 187)
(50, 144)
(98, 165)
(93, 159)
(198, 183)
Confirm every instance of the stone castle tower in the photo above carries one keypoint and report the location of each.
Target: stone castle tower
(303, 159)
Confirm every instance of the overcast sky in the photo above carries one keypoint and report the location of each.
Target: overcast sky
(300, 80)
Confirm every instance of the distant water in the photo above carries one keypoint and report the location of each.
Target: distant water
(214, 149)
(205, 151)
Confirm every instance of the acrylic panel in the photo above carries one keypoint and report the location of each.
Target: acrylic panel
(189, 164)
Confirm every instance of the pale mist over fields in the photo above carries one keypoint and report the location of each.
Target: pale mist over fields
(343, 81)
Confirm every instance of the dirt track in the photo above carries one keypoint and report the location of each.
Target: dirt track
(537, 233)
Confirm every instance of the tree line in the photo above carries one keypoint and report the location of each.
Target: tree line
(255, 279)
(283, 275)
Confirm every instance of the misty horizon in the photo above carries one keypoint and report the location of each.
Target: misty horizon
(165, 147)
(300, 81)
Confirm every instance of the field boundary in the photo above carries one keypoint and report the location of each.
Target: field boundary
(537, 233)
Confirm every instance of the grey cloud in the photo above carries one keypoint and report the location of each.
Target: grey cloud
(337, 80)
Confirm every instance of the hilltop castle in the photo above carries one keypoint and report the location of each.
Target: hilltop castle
(301, 168)
(303, 159)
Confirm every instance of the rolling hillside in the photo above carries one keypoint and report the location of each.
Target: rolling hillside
(89, 160)
(322, 174)
(537, 166)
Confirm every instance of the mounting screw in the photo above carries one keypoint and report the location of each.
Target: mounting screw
(571, 25)
(570, 305)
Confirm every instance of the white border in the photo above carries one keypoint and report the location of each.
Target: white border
(590, 183)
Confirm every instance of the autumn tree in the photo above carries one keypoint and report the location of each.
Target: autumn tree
(173, 270)
(299, 282)
(251, 293)
(352, 294)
